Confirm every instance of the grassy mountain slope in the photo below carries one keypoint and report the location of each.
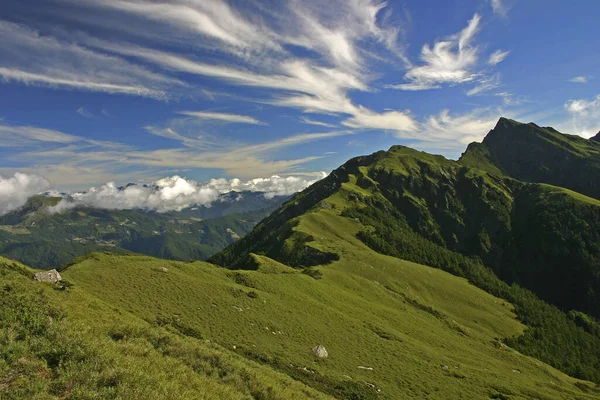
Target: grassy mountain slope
(403, 320)
(42, 240)
(57, 344)
(534, 154)
(438, 212)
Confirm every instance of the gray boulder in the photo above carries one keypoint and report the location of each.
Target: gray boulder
(319, 351)
(47, 276)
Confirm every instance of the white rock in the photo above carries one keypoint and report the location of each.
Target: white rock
(320, 351)
(48, 276)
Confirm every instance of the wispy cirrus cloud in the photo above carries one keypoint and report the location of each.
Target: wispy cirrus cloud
(449, 133)
(222, 117)
(453, 61)
(71, 160)
(24, 136)
(485, 84)
(306, 56)
(34, 59)
(85, 113)
(309, 121)
(469, 127)
(497, 57)
(579, 79)
(498, 7)
(19, 135)
(449, 61)
(319, 82)
(395, 121)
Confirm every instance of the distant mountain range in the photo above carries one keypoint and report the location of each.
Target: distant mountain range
(46, 240)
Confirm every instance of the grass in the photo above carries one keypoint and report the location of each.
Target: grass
(559, 191)
(69, 344)
(404, 320)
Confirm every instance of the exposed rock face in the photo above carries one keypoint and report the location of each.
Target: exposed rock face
(320, 351)
(48, 276)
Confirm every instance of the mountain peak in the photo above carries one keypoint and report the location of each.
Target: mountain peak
(504, 122)
(596, 138)
(532, 153)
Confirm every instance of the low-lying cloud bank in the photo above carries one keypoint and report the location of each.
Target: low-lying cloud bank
(168, 194)
(15, 190)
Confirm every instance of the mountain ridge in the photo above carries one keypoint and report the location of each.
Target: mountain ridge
(531, 153)
(464, 219)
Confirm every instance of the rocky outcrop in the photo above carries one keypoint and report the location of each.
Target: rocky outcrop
(47, 276)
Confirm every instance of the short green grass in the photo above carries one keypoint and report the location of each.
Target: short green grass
(557, 190)
(69, 344)
(405, 321)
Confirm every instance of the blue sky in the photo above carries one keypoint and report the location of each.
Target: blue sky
(93, 91)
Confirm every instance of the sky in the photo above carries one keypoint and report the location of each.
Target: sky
(99, 91)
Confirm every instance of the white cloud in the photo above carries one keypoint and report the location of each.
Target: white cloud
(274, 186)
(24, 136)
(231, 118)
(397, 121)
(85, 113)
(28, 78)
(339, 38)
(19, 135)
(318, 81)
(414, 87)
(465, 128)
(585, 116)
(485, 84)
(498, 7)
(579, 79)
(509, 99)
(497, 57)
(176, 193)
(15, 190)
(309, 121)
(448, 62)
(450, 133)
(212, 20)
(33, 59)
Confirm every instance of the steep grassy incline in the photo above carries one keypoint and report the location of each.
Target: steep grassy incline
(534, 154)
(58, 344)
(522, 231)
(393, 329)
(438, 212)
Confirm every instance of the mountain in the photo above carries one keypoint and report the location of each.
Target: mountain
(521, 230)
(531, 153)
(422, 277)
(471, 221)
(44, 240)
